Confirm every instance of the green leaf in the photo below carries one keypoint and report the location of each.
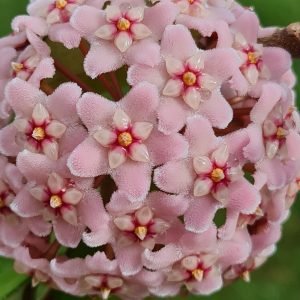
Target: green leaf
(10, 281)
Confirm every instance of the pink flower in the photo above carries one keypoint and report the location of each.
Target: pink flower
(123, 27)
(258, 62)
(40, 125)
(209, 179)
(13, 229)
(53, 195)
(123, 36)
(142, 225)
(189, 80)
(124, 140)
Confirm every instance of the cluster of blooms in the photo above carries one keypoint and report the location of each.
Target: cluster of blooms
(201, 121)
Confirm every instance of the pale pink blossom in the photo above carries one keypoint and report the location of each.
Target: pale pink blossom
(124, 140)
(189, 80)
(120, 35)
(40, 124)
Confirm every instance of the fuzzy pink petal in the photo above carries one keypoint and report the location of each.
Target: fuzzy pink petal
(65, 34)
(94, 110)
(22, 96)
(277, 60)
(141, 102)
(91, 211)
(192, 243)
(164, 148)
(72, 268)
(13, 233)
(235, 251)
(62, 103)
(271, 94)
(144, 52)
(67, 234)
(163, 258)
(217, 110)
(293, 145)
(221, 64)
(120, 204)
(266, 238)
(103, 57)
(207, 28)
(86, 19)
(25, 205)
(39, 226)
(35, 167)
(89, 159)
(134, 179)
(227, 231)
(244, 197)
(201, 141)
(36, 25)
(5, 65)
(181, 37)
(172, 115)
(175, 177)
(73, 136)
(164, 13)
(130, 260)
(100, 263)
(8, 145)
(45, 69)
(138, 73)
(275, 172)
(200, 214)
(167, 206)
(248, 25)
(255, 149)
(210, 284)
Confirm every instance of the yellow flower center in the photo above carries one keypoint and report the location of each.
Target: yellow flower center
(17, 67)
(123, 24)
(191, 1)
(105, 292)
(125, 139)
(252, 58)
(189, 78)
(38, 133)
(281, 133)
(217, 175)
(198, 274)
(61, 4)
(2, 204)
(141, 232)
(55, 201)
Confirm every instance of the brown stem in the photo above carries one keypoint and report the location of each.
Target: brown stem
(61, 68)
(236, 99)
(46, 88)
(52, 250)
(287, 38)
(115, 82)
(243, 111)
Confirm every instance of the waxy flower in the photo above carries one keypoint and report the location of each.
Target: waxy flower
(209, 179)
(123, 27)
(123, 34)
(41, 124)
(258, 62)
(13, 229)
(124, 131)
(189, 80)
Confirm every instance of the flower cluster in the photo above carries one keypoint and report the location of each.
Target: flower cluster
(145, 146)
